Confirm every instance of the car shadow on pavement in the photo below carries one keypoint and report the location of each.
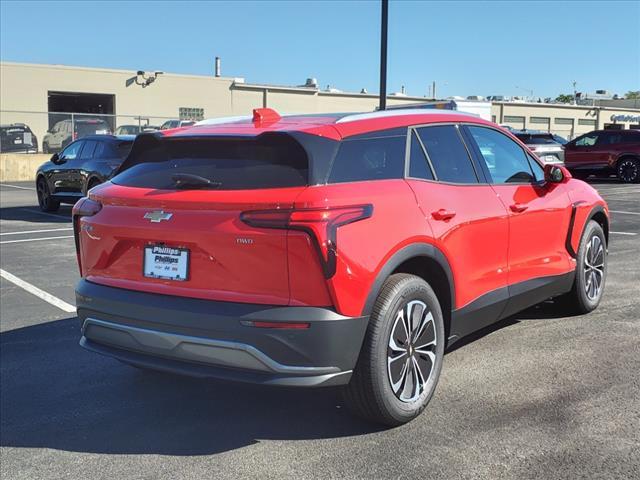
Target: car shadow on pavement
(56, 395)
(32, 214)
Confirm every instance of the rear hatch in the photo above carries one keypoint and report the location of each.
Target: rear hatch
(544, 146)
(170, 220)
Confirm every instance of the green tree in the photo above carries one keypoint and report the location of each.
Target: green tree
(632, 94)
(564, 98)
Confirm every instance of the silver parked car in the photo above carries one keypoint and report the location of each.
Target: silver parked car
(544, 145)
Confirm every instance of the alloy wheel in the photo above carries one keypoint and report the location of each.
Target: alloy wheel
(43, 194)
(411, 351)
(594, 259)
(628, 171)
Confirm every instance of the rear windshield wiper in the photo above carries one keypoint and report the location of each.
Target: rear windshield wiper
(189, 180)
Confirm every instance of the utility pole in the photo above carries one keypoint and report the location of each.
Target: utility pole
(575, 94)
(383, 54)
(433, 90)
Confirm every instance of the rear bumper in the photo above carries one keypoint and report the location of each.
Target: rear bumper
(208, 339)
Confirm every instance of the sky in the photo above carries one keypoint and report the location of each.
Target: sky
(467, 48)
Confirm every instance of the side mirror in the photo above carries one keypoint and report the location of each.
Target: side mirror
(55, 158)
(556, 173)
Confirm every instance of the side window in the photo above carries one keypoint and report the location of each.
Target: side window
(418, 163)
(71, 152)
(88, 150)
(447, 153)
(587, 140)
(505, 159)
(633, 137)
(99, 152)
(374, 158)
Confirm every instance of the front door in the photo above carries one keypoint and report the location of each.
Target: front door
(539, 212)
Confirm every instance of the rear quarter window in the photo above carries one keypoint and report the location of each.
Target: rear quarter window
(275, 161)
(369, 158)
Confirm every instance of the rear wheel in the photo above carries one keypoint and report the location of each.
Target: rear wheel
(580, 174)
(45, 201)
(629, 170)
(401, 357)
(45, 147)
(591, 271)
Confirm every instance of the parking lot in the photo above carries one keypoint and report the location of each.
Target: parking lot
(540, 395)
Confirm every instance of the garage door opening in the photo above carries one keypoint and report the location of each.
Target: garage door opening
(89, 103)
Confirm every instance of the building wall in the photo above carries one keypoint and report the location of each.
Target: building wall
(24, 98)
(566, 120)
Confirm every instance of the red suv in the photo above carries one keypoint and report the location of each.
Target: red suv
(606, 151)
(329, 250)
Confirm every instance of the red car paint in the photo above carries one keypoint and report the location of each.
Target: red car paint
(492, 236)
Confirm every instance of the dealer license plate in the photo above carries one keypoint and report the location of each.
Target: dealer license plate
(161, 261)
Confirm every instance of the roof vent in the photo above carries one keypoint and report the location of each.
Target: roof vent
(311, 83)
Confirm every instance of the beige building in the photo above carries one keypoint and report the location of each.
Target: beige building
(42, 95)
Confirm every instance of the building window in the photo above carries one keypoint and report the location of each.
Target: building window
(513, 119)
(586, 122)
(493, 118)
(563, 121)
(188, 113)
(544, 120)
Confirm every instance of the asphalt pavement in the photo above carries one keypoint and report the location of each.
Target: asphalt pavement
(540, 395)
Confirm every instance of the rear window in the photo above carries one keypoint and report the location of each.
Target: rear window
(370, 158)
(275, 161)
(124, 148)
(543, 139)
(91, 128)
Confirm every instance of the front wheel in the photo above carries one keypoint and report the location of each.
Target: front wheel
(45, 201)
(591, 271)
(401, 357)
(629, 170)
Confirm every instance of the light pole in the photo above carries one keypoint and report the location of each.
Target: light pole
(383, 54)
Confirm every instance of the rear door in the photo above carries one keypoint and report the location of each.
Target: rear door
(78, 173)
(468, 220)
(157, 235)
(539, 212)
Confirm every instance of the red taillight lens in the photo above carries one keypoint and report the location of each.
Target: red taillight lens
(321, 223)
(85, 207)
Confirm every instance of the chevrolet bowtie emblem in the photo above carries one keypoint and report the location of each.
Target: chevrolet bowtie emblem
(157, 216)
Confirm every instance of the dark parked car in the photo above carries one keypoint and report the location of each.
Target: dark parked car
(543, 144)
(66, 131)
(605, 151)
(81, 166)
(17, 138)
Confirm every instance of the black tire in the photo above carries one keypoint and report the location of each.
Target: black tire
(45, 148)
(580, 299)
(45, 201)
(370, 393)
(628, 170)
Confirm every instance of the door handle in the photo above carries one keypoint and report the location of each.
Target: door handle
(518, 207)
(443, 214)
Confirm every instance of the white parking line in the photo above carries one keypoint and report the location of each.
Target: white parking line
(625, 233)
(47, 297)
(34, 239)
(16, 186)
(623, 212)
(37, 231)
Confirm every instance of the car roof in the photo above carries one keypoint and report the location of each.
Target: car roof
(331, 125)
(110, 138)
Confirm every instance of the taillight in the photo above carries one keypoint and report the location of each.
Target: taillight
(85, 207)
(75, 135)
(320, 223)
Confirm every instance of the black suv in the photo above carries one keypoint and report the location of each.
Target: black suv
(17, 138)
(82, 165)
